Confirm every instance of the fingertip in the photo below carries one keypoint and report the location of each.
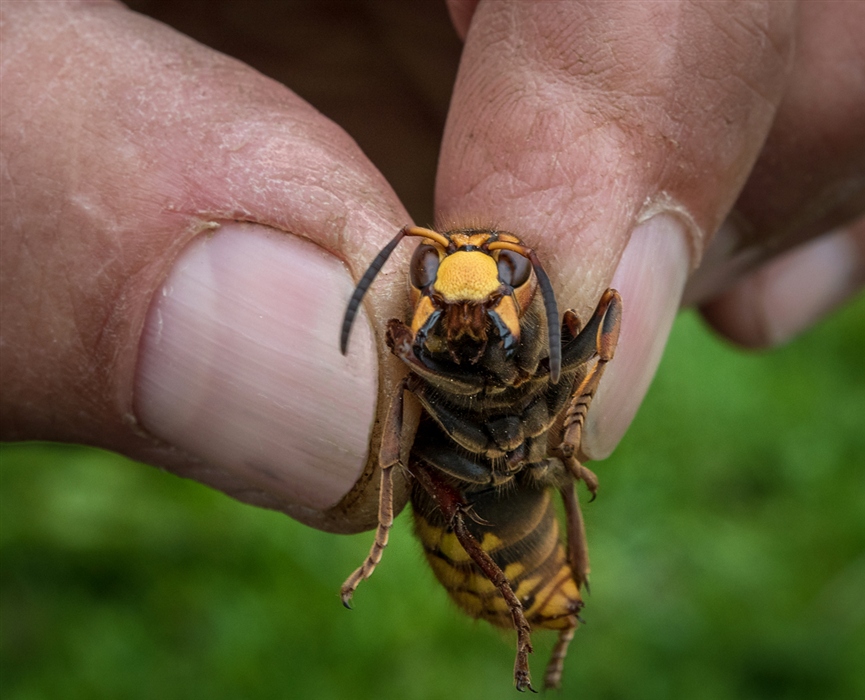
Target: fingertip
(650, 278)
(789, 294)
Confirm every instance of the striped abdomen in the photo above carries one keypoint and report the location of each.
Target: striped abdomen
(521, 535)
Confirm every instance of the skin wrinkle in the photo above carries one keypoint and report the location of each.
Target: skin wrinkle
(560, 55)
(95, 335)
(781, 49)
(326, 178)
(605, 77)
(500, 31)
(561, 193)
(710, 76)
(547, 131)
(754, 28)
(754, 89)
(623, 110)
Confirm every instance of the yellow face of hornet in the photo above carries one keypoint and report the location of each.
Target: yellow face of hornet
(461, 291)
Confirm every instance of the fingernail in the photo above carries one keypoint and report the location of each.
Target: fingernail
(650, 277)
(801, 287)
(240, 366)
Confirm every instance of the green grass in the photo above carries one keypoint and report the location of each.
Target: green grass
(728, 557)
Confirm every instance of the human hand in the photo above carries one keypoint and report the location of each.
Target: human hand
(138, 153)
(617, 137)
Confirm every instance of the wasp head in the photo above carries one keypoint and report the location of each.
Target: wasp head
(468, 287)
(465, 293)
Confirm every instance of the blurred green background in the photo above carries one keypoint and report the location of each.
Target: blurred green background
(728, 554)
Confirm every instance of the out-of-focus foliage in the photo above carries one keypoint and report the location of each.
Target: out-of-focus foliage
(728, 555)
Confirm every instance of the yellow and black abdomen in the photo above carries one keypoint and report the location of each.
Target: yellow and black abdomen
(518, 527)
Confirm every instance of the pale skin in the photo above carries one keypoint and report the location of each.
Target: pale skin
(573, 124)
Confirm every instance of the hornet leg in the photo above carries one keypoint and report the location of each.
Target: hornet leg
(388, 457)
(553, 675)
(610, 308)
(455, 510)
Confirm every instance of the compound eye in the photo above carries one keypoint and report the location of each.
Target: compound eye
(514, 269)
(424, 266)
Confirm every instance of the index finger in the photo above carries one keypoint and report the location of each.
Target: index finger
(613, 138)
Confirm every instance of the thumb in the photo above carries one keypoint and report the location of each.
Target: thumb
(178, 237)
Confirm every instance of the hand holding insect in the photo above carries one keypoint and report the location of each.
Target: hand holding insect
(572, 120)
